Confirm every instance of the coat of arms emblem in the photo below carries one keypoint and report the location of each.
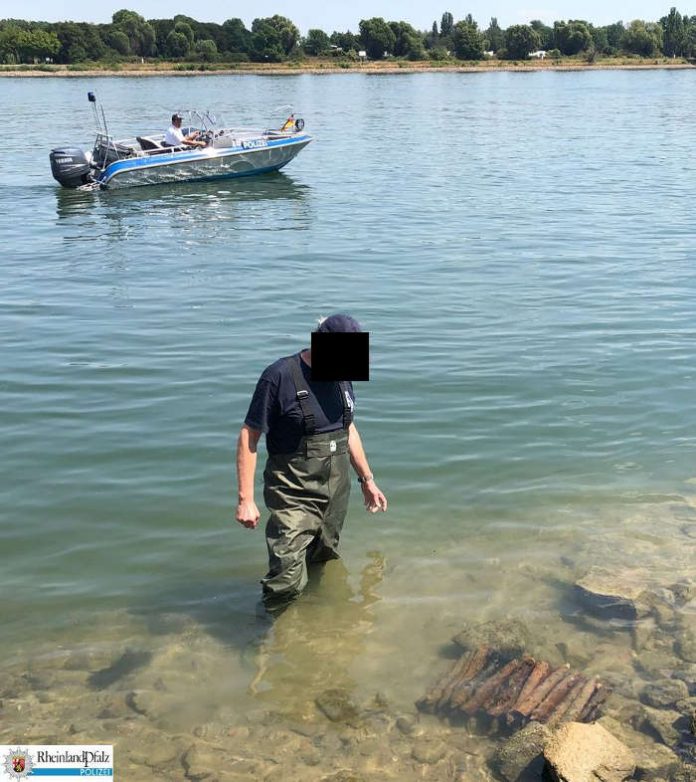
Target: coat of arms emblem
(18, 763)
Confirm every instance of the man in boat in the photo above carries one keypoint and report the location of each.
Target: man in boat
(311, 441)
(174, 136)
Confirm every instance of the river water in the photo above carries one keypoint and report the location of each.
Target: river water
(521, 248)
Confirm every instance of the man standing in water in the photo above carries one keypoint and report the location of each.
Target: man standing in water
(311, 441)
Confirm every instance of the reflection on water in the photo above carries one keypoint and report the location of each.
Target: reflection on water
(314, 643)
(275, 198)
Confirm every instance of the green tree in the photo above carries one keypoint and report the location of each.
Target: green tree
(643, 38)
(119, 42)
(177, 45)
(206, 50)
(162, 28)
(571, 37)
(140, 34)
(184, 28)
(467, 40)
(520, 40)
(377, 37)
(615, 33)
(446, 24)
(674, 33)
(600, 40)
(273, 38)
(494, 35)
(24, 44)
(81, 38)
(544, 32)
(408, 41)
(317, 43)
(237, 39)
(689, 36)
(347, 41)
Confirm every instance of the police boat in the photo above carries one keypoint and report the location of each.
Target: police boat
(147, 160)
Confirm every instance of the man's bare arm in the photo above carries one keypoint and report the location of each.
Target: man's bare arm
(374, 499)
(247, 443)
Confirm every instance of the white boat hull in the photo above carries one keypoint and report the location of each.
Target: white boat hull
(201, 164)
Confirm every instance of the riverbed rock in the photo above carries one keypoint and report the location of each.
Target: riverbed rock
(685, 772)
(509, 637)
(660, 722)
(664, 694)
(337, 706)
(199, 763)
(428, 752)
(522, 753)
(407, 724)
(684, 591)
(685, 644)
(578, 752)
(614, 594)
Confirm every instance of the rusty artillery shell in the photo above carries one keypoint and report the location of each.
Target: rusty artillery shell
(507, 694)
(581, 700)
(487, 689)
(433, 695)
(559, 713)
(526, 707)
(545, 710)
(591, 710)
(540, 671)
(473, 664)
(465, 687)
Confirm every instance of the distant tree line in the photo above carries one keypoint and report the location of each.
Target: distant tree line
(276, 39)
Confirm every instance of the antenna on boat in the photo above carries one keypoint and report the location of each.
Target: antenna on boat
(92, 98)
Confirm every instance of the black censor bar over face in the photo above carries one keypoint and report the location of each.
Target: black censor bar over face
(340, 355)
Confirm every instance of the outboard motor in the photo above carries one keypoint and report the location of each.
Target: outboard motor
(70, 166)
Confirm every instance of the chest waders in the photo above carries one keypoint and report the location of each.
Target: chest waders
(306, 493)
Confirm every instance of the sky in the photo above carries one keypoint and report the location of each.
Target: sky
(343, 15)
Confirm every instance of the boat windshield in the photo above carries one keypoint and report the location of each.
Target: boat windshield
(203, 120)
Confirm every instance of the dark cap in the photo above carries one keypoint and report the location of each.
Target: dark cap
(339, 323)
(176, 116)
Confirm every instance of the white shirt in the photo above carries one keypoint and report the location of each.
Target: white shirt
(174, 136)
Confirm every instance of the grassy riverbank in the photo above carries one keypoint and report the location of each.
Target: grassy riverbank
(318, 66)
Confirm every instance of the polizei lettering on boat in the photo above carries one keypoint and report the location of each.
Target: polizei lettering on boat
(254, 143)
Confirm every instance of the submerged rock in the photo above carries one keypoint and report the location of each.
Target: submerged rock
(577, 752)
(428, 752)
(509, 637)
(337, 706)
(522, 753)
(619, 594)
(664, 694)
(660, 722)
(685, 645)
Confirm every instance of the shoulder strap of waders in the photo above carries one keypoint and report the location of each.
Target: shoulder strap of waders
(302, 395)
(347, 412)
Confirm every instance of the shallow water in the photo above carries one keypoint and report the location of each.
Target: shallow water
(520, 247)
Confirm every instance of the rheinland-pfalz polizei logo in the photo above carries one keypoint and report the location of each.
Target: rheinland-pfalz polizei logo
(18, 763)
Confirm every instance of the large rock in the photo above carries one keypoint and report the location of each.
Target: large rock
(337, 706)
(685, 645)
(661, 723)
(664, 694)
(522, 753)
(509, 637)
(615, 594)
(587, 753)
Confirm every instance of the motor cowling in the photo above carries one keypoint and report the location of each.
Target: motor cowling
(70, 166)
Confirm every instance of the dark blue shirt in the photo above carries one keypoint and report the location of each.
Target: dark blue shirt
(274, 408)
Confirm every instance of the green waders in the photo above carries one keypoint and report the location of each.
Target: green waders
(307, 494)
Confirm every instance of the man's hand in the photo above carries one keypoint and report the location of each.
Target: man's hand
(374, 499)
(248, 514)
